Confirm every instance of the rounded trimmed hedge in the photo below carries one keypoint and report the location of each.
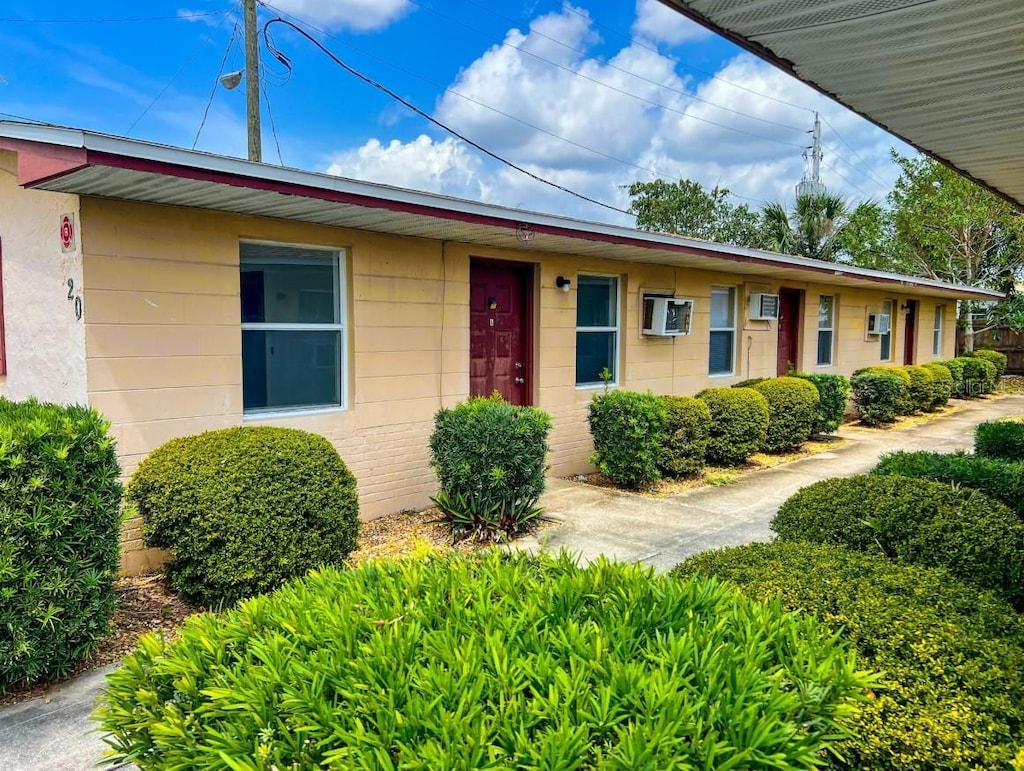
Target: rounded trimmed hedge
(942, 384)
(244, 509)
(922, 387)
(60, 522)
(1002, 439)
(979, 375)
(492, 661)
(999, 360)
(914, 521)
(956, 371)
(878, 395)
(739, 424)
(628, 428)
(792, 411)
(687, 429)
(833, 391)
(998, 479)
(952, 689)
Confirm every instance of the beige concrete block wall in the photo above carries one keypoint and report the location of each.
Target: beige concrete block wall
(164, 341)
(45, 341)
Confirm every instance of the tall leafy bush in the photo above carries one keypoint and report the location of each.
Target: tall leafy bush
(998, 479)
(877, 396)
(244, 509)
(1003, 439)
(952, 690)
(979, 375)
(914, 521)
(496, 661)
(833, 391)
(61, 525)
(792, 412)
(687, 428)
(739, 424)
(489, 457)
(628, 428)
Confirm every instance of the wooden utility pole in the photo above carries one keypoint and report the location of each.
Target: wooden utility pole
(252, 82)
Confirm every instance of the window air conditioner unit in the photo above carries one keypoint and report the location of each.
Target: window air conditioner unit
(764, 307)
(667, 316)
(878, 323)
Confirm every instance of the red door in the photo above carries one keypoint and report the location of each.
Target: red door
(789, 331)
(910, 333)
(499, 341)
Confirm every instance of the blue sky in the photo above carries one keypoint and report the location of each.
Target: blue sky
(591, 95)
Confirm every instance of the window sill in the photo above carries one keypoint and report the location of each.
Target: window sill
(721, 374)
(595, 386)
(296, 413)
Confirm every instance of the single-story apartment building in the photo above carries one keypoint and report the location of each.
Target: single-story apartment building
(178, 291)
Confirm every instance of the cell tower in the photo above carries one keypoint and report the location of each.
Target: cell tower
(811, 183)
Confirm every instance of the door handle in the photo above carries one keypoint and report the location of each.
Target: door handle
(520, 380)
(519, 365)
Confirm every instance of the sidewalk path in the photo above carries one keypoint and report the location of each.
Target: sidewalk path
(662, 532)
(58, 735)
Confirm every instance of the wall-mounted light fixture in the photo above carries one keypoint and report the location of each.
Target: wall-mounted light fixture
(563, 283)
(905, 307)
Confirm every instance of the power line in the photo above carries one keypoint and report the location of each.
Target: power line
(216, 82)
(380, 87)
(174, 77)
(605, 62)
(453, 92)
(846, 179)
(270, 113)
(852, 150)
(183, 16)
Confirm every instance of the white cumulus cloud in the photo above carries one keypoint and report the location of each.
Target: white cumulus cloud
(357, 15)
(658, 23)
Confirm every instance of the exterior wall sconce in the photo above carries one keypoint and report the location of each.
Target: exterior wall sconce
(563, 283)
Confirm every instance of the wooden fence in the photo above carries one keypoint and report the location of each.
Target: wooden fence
(1003, 340)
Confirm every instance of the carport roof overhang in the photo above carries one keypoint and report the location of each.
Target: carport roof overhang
(72, 161)
(943, 75)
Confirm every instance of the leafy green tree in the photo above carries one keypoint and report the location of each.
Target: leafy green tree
(687, 208)
(948, 228)
(816, 226)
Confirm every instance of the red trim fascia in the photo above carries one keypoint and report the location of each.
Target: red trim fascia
(39, 162)
(95, 158)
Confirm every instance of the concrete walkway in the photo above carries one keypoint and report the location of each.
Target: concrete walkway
(662, 532)
(58, 736)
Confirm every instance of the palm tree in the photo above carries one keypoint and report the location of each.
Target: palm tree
(813, 228)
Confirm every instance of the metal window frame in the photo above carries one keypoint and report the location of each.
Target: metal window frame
(617, 329)
(338, 256)
(733, 329)
(831, 330)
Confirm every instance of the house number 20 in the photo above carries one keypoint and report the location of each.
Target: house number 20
(75, 298)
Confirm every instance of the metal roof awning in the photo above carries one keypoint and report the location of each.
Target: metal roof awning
(946, 76)
(71, 161)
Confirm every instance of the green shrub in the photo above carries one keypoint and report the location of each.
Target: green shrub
(792, 412)
(995, 357)
(244, 509)
(952, 658)
(493, 661)
(942, 384)
(999, 480)
(61, 532)
(922, 387)
(832, 393)
(877, 396)
(687, 427)
(489, 457)
(739, 424)
(749, 382)
(1003, 439)
(628, 428)
(956, 371)
(979, 376)
(914, 521)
